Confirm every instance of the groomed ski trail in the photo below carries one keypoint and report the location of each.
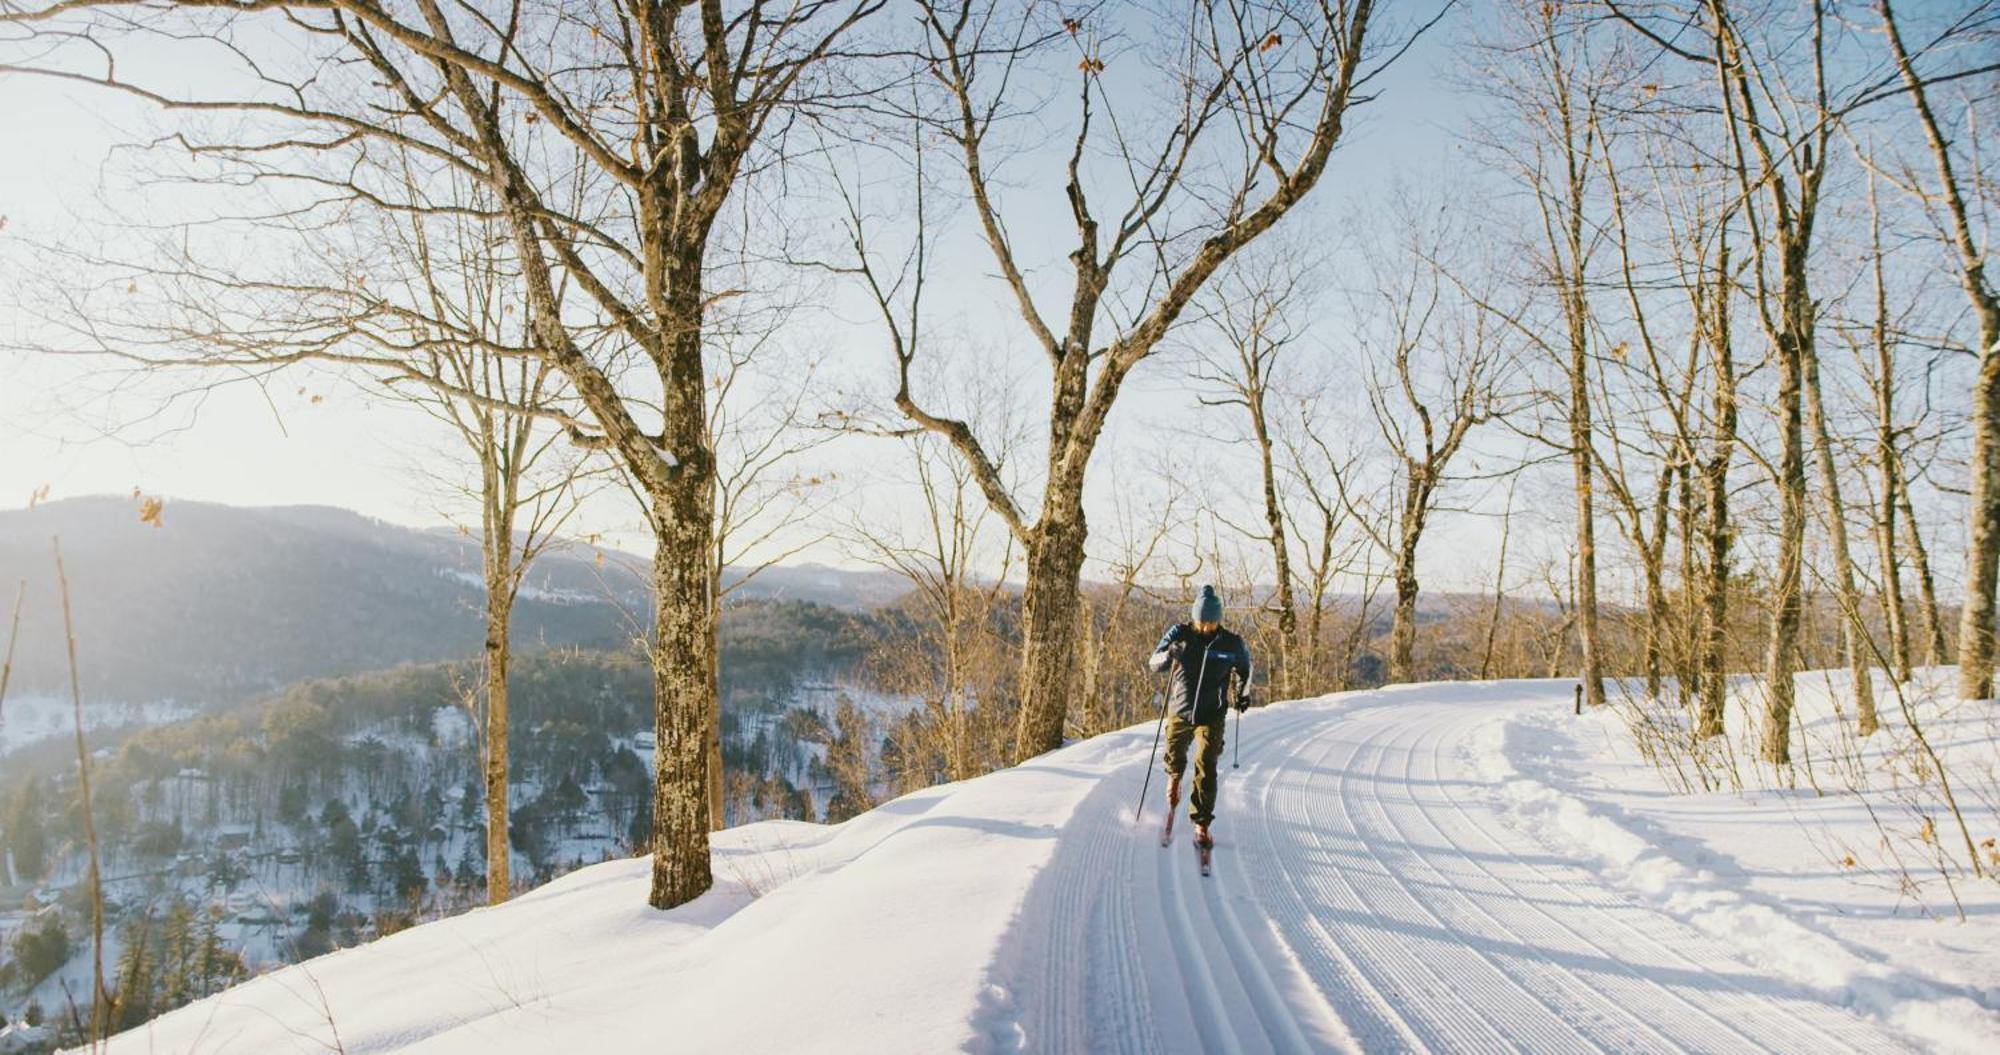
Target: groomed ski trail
(1369, 896)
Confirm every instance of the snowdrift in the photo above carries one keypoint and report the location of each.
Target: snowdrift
(1452, 867)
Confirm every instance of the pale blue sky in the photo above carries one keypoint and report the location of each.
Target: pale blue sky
(277, 445)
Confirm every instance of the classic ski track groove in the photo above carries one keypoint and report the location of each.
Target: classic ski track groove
(1390, 951)
(1610, 908)
(1360, 901)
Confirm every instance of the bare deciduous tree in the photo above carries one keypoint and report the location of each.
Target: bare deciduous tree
(665, 108)
(1975, 627)
(1268, 88)
(1255, 312)
(1437, 377)
(457, 266)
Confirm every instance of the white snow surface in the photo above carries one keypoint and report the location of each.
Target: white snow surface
(1459, 867)
(25, 721)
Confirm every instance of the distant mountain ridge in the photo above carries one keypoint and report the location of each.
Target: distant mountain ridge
(224, 602)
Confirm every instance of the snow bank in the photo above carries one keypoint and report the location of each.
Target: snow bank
(1670, 860)
(1372, 892)
(874, 935)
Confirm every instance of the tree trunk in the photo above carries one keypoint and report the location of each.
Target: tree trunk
(1781, 655)
(1656, 622)
(718, 816)
(1586, 513)
(685, 645)
(1274, 520)
(1715, 474)
(1687, 635)
(1982, 558)
(1893, 608)
(683, 702)
(1855, 645)
(1323, 669)
(1920, 563)
(498, 850)
(1403, 631)
(1049, 612)
(1499, 587)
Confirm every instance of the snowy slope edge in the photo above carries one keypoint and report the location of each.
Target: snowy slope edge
(878, 934)
(1923, 1007)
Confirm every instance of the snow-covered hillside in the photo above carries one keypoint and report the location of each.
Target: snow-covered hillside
(1436, 867)
(38, 719)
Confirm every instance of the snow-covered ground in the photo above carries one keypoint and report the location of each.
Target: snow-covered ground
(33, 719)
(1436, 867)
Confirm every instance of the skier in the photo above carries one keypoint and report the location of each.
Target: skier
(1202, 657)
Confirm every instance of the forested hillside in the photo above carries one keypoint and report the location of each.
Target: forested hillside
(220, 603)
(344, 808)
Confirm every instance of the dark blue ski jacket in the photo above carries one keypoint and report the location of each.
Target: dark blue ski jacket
(1197, 690)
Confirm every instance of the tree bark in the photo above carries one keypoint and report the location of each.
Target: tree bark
(1274, 521)
(1580, 441)
(1982, 559)
(1935, 645)
(499, 612)
(1688, 636)
(1895, 611)
(1855, 645)
(1403, 630)
(683, 639)
(1715, 479)
(1499, 585)
(718, 813)
(1894, 608)
(1781, 656)
(1050, 607)
(1656, 622)
(685, 643)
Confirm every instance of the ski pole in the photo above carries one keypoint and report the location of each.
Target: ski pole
(1157, 729)
(1237, 762)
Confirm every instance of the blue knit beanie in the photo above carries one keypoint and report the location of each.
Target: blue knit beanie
(1207, 608)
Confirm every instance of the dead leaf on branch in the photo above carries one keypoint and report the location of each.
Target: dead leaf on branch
(1071, 26)
(1270, 42)
(149, 511)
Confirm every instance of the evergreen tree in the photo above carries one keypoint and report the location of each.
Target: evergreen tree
(26, 839)
(217, 966)
(136, 974)
(847, 762)
(177, 984)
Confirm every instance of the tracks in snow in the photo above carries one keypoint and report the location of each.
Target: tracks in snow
(1368, 896)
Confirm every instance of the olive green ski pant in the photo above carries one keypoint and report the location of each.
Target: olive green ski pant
(1182, 733)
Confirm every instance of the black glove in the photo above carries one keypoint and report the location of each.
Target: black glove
(1242, 702)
